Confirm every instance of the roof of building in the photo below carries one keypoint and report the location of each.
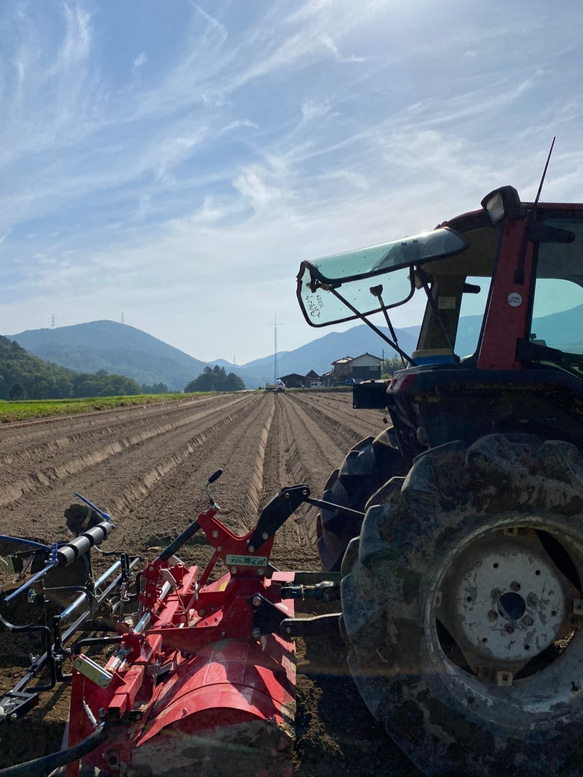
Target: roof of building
(378, 358)
(347, 359)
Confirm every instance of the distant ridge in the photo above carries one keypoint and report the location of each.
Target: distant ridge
(116, 348)
(123, 350)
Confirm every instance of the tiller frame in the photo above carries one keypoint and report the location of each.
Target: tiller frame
(202, 678)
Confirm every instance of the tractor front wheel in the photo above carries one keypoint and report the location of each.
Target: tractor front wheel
(366, 467)
(464, 608)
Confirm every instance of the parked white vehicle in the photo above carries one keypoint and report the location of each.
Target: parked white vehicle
(279, 385)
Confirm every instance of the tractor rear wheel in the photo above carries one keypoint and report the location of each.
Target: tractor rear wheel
(464, 608)
(366, 467)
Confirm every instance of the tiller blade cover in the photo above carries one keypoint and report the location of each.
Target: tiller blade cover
(202, 683)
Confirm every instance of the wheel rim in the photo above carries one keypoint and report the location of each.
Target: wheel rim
(503, 619)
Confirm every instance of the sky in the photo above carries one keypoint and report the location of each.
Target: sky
(169, 164)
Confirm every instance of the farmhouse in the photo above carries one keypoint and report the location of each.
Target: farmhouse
(364, 367)
(348, 369)
(293, 380)
(313, 379)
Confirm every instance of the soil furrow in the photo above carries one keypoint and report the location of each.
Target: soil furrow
(355, 424)
(59, 431)
(148, 466)
(236, 447)
(123, 471)
(307, 447)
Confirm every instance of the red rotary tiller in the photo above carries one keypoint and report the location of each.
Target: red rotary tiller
(202, 675)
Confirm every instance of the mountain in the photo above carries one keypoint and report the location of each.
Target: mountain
(561, 330)
(115, 348)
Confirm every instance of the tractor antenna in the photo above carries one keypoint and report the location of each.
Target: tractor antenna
(542, 180)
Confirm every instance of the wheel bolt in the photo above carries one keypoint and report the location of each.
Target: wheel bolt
(495, 593)
(492, 616)
(509, 629)
(532, 600)
(514, 586)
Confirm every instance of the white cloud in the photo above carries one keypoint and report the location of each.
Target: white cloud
(312, 109)
(333, 48)
(185, 185)
(77, 42)
(139, 62)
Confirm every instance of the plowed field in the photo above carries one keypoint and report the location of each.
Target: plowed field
(147, 466)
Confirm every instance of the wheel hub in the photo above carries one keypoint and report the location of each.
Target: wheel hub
(511, 606)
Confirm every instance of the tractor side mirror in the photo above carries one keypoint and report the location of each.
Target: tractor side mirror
(503, 203)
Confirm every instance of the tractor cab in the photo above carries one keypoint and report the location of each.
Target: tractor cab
(499, 295)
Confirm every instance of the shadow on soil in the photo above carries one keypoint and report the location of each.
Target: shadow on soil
(335, 733)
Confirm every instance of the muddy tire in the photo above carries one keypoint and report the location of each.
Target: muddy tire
(464, 610)
(367, 466)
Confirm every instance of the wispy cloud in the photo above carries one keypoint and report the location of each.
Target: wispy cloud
(139, 62)
(178, 169)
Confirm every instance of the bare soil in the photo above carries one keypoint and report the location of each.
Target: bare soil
(147, 466)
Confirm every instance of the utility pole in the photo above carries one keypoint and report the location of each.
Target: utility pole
(53, 321)
(274, 347)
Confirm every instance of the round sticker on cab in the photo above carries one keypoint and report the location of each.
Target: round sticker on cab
(514, 299)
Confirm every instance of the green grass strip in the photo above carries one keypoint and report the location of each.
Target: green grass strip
(31, 409)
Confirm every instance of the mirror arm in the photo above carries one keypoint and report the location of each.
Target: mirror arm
(377, 291)
(375, 329)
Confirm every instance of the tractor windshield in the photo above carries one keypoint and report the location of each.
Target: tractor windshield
(346, 286)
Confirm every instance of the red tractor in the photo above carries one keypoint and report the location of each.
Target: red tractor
(461, 588)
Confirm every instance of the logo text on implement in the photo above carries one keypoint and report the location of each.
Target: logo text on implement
(246, 561)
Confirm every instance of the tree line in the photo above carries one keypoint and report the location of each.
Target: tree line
(24, 376)
(390, 365)
(215, 379)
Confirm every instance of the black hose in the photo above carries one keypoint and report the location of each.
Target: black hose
(177, 543)
(40, 767)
